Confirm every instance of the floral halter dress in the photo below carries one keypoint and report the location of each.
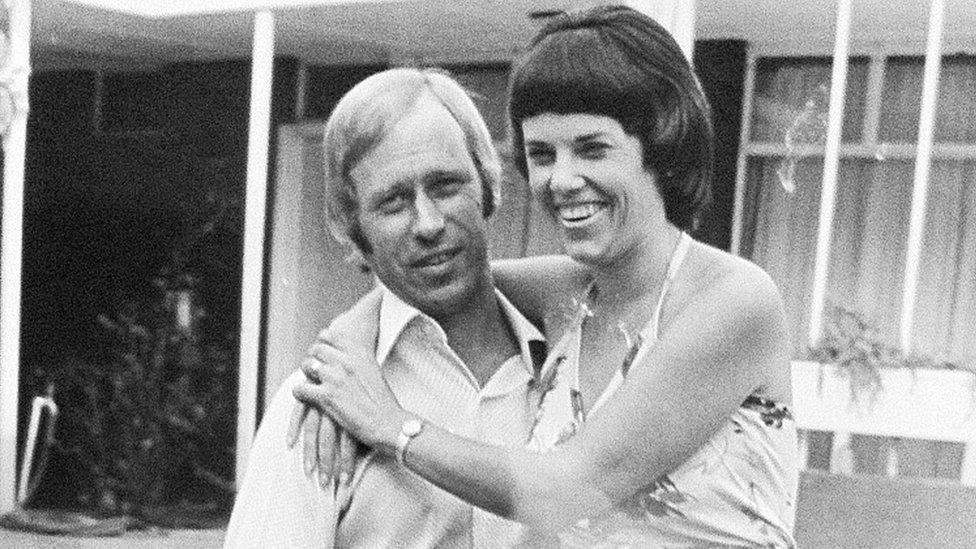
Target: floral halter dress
(738, 490)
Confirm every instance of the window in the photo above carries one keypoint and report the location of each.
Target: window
(781, 174)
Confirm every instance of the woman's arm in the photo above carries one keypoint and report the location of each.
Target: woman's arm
(534, 284)
(722, 346)
(530, 283)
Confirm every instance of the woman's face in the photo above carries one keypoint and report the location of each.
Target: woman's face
(589, 175)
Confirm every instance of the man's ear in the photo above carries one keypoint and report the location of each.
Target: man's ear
(487, 199)
(356, 258)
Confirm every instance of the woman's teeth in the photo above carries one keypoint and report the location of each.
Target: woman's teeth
(578, 212)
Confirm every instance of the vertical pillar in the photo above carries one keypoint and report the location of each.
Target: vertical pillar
(828, 193)
(255, 216)
(13, 78)
(923, 161)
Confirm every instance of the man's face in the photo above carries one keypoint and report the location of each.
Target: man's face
(420, 209)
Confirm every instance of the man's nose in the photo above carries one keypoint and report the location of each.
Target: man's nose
(429, 221)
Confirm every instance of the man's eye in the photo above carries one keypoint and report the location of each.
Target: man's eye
(446, 186)
(392, 204)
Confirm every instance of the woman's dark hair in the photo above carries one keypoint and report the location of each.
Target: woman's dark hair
(617, 62)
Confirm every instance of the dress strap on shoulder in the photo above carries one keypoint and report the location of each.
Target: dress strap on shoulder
(649, 334)
(677, 258)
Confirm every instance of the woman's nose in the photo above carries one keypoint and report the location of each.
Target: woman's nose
(564, 178)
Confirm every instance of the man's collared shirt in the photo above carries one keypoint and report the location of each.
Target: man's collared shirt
(388, 505)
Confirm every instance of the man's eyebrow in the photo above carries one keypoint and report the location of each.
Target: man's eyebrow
(377, 195)
(445, 172)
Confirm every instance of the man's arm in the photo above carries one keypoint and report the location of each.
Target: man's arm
(277, 505)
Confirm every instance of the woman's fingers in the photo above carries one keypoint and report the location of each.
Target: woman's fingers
(310, 367)
(346, 462)
(298, 413)
(327, 448)
(312, 395)
(311, 446)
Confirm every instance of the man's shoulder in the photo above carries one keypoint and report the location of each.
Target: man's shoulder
(279, 409)
(359, 324)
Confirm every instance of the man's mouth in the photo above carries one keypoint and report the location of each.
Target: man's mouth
(433, 260)
(579, 213)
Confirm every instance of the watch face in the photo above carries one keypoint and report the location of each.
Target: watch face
(412, 427)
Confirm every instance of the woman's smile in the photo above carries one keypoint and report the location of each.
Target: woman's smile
(580, 213)
(591, 175)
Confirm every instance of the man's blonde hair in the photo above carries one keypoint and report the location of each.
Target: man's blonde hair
(365, 116)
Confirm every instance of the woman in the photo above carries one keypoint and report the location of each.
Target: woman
(663, 414)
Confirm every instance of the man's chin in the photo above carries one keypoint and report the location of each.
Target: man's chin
(444, 297)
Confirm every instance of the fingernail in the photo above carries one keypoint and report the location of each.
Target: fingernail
(343, 479)
(309, 468)
(325, 481)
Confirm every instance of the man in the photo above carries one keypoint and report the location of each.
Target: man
(411, 177)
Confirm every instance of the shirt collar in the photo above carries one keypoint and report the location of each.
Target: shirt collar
(396, 314)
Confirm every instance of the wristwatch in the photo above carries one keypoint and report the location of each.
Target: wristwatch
(410, 428)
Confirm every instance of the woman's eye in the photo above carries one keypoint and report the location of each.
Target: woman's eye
(592, 150)
(540, 157)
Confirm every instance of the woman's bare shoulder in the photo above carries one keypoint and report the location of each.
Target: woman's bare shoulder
(717, 274)
(729, 293)
(739, 302)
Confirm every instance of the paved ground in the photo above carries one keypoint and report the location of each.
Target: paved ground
(157, 539)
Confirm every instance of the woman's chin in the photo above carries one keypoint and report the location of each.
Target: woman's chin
(587, 253)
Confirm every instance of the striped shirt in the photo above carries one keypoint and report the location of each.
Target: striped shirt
(388, 505)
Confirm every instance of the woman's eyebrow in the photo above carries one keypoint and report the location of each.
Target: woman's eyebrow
(591, 136)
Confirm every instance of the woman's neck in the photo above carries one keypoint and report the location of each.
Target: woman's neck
(638, 274)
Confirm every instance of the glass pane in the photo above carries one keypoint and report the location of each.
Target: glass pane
(870, 236)
(901, 100)
(784, 234)
(867, 254)
(956, 115)
(792, 95)
(945, 313)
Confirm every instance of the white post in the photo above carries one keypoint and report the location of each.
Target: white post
(923, 157)
(742, 163)
(254, 223)
(14, 77)
(828, 192)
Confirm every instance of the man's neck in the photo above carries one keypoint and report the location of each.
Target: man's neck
(480, 334)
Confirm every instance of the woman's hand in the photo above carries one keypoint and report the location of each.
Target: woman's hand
(326, 446)
(351, 390)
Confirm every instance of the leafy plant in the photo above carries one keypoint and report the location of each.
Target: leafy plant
(152, 423)
(148, 412)
(853, 344)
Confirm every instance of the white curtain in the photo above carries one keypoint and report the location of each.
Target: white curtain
(866, 271)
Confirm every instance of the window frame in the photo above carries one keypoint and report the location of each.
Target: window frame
(924, 150)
